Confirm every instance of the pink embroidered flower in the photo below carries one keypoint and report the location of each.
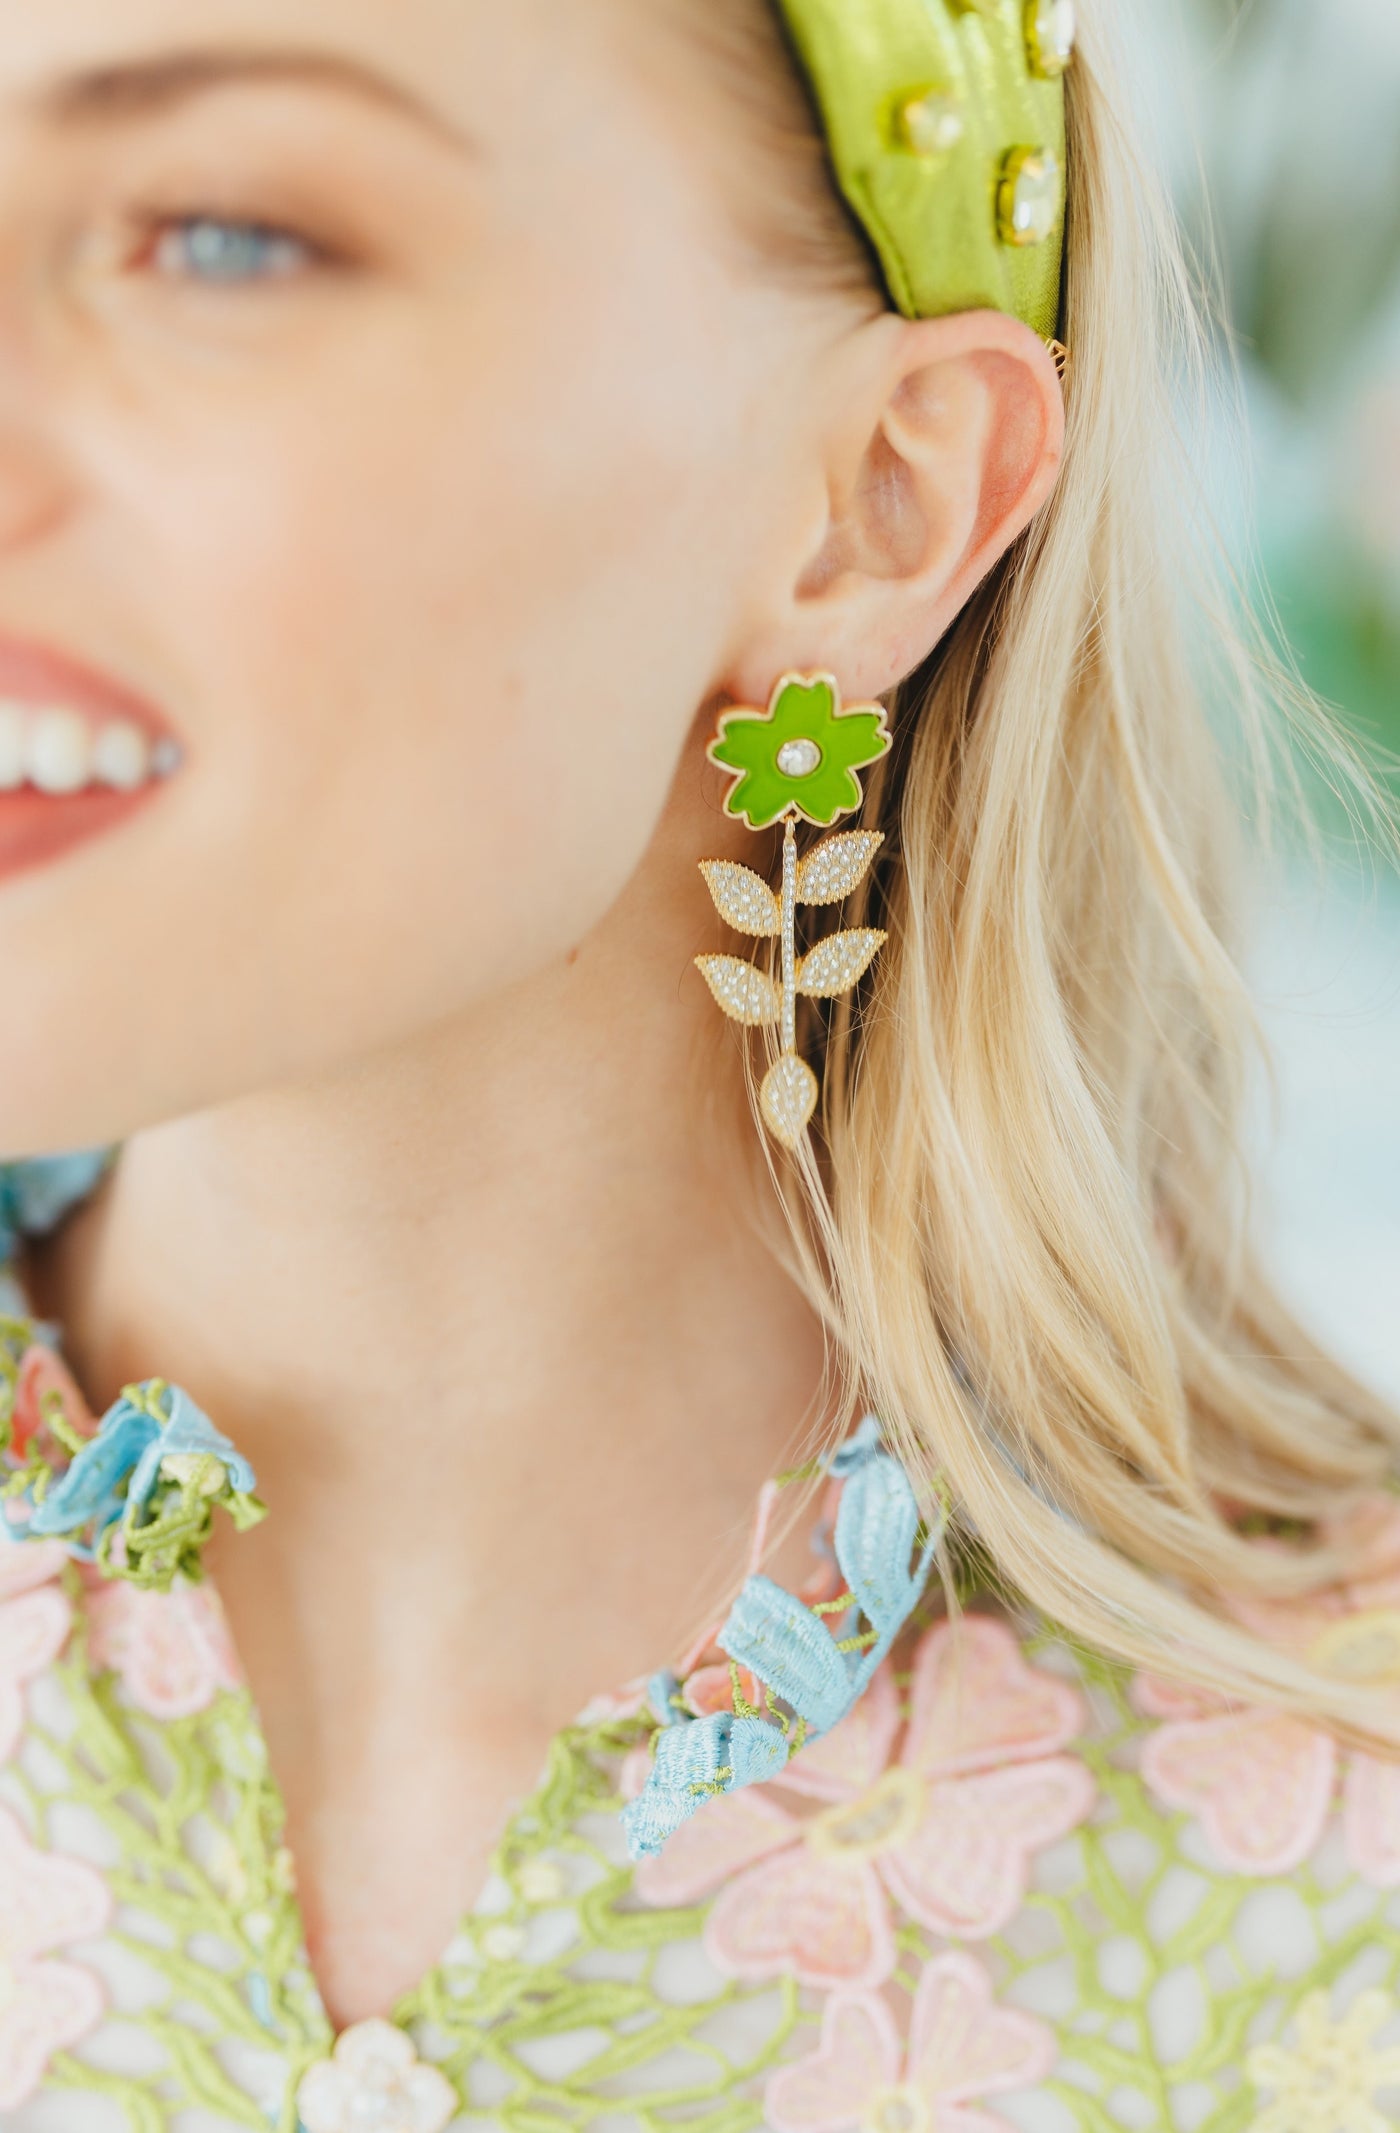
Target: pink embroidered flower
(949, 1830)
(172, 1650)
(962, 2046)
(44, 1378)
(1262, 1783)
(711, 1688)
(35, 1618)
(25, 1565)
(45, 2006)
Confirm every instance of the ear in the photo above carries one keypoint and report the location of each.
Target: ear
(947, 447)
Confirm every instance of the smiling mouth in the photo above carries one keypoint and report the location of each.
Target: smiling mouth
(79, 754)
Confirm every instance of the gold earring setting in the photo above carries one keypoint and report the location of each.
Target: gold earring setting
(795, 762)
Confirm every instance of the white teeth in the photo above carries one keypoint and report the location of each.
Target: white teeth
(121, 756)
(59, 751)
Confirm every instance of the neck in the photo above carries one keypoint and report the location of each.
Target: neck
(488, 1313)
(499, 1321)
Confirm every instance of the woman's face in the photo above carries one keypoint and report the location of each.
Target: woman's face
(390, 419)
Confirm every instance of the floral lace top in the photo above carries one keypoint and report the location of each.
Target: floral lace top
(848, 1866)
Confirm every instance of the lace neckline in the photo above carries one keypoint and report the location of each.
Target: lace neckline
(132, 1499)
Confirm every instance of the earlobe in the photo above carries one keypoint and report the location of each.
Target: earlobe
(962, 451)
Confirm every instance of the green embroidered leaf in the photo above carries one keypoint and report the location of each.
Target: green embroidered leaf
(143, 2113)
(742, 898)
(1121, 1909)
(1086, 2113)
(1124, 1788)
(218, 1996)
(671, 2029)
(193, 1772)
(100, 1735)
(745, 994)
(1224, 2046)
(576, 2007)
(835, 965)
(1237, 2113)
(836, 867)
(1211, 1923)
(1117, 2067)
(613, 1928)
(204, 2079)
(142, 2108)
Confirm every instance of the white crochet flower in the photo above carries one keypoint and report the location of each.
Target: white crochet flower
(1328, 2082)
(375, 2083)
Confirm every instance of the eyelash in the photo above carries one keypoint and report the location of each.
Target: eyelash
(253, 253)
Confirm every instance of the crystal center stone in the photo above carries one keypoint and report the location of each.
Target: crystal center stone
(1035, 198)
(1053, 29)
(933, 124)
(798, 759)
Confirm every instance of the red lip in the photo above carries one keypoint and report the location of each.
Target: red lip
(36, 674)
(37, 828)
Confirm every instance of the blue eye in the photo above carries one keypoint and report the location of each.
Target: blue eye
(202, 248)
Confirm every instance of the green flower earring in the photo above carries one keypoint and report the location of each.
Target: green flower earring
(795, 762)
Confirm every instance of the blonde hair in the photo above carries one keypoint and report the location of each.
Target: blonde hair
(1028, 1226)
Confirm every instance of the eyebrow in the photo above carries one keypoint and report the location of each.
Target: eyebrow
(150, 86)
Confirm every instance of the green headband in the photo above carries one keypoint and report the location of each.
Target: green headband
(946, 125)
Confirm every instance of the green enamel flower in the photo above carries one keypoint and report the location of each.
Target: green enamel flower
(801, 755)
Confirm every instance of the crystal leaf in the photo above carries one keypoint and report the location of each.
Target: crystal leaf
(835, 965)
(789, 1099)
(746, 995)
(743, 899)
(837, 866)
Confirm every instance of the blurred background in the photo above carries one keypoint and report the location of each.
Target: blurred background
(1286, 171)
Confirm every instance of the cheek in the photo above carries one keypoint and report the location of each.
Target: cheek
(436, 662)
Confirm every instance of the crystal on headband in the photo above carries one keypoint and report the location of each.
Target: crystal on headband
(1028, 198)
(930, 123)
(1050, 33)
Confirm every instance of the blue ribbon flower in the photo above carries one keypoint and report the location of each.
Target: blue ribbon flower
(819, 1677)
(36, 1195)
(697, 1760)
(149, 1480)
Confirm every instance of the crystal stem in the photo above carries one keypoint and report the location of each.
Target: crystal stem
(790, 937)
